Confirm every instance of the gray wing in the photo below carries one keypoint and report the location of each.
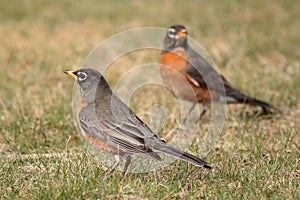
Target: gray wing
(206, 76)
(120, 128)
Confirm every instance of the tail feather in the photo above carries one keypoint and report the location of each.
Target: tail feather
(264, 105)
(172, 151)
(242, 98)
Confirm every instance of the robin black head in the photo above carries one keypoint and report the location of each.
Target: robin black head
(177, 31)
(89, 80)
(176, 37)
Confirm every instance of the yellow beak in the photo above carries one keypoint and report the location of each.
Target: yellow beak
(181, 33)
(71, 73)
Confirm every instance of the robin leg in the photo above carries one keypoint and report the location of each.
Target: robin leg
(118, 160)
(205, 107)
(127, 163)
(189, 112)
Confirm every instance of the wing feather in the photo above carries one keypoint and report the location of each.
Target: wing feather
(127, 134)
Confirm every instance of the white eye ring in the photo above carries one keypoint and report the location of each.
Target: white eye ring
(171, 32)
(82, 76)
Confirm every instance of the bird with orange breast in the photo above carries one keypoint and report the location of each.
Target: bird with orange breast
(180, 61)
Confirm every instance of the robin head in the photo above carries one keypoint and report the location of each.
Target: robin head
(176, 37)
(91, 82)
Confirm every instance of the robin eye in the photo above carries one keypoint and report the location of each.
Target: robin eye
(171, 33)
(82, 76)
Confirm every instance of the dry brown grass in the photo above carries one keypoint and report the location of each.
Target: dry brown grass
(253, 43)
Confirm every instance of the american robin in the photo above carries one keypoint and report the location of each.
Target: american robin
(179, 59)
(112, 127)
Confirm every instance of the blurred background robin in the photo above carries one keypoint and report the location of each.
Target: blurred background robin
(112, 127)
(179, 60)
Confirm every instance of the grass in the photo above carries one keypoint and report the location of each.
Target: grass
(254, 44)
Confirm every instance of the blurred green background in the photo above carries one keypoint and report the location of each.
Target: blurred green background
(255, 44)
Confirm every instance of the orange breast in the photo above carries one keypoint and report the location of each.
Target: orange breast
(173, 72)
